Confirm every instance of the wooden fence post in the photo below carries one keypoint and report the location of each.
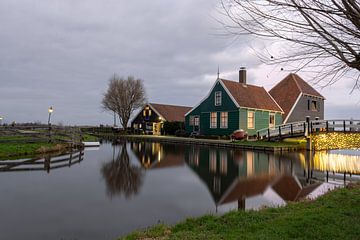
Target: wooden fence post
(327, 126)
(291, 129)
(280, 132)
(344, 123)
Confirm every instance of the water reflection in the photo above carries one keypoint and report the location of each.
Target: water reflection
(233, 176)
(157, 155)
(122, 178)
(46, 162)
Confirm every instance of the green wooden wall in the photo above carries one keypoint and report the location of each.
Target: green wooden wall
(204, 109)
(261, 120)
(237, 118)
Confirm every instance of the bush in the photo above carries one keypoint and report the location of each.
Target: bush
(170, 128)
(181, 133)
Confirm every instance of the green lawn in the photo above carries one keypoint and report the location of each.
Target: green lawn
(90, 138)
(285, 143)
(333, 216)
(11, 150)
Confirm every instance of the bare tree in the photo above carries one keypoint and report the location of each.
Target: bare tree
(324, 35)
(123, 97)
(121, 176)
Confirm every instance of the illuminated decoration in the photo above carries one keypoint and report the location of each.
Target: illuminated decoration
(336, 140)
(324, 161)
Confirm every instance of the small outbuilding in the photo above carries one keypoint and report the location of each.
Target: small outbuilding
(298, 99)
(151, 118)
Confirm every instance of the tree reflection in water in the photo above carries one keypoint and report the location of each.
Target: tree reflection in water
(120, 176)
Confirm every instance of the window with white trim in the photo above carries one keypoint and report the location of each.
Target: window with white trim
(271, 120)
(251, 119)
(196, 121)
(218, 98)
(191, 120)
(213, 120)
(224, 120)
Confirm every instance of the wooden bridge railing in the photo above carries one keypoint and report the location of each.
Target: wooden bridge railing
(297, 129)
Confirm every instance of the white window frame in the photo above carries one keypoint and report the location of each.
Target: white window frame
(272, 115)
(213, 124)
(248, 117)
(196, 121)
(313, 105)
(218, 98)
(192, 121)
(224, 121)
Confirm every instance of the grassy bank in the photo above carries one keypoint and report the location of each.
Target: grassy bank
(299, 143)
(333, 216)
(18, 150)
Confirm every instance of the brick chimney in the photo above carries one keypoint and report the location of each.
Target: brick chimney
(242, 75)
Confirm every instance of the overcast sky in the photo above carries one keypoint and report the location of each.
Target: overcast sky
(62, 53)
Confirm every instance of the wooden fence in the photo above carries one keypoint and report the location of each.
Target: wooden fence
(40, 133)
(298, 129)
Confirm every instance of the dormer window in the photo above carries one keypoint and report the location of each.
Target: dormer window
(218, 98)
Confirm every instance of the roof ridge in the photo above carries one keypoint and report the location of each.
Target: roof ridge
(293, 75)
(252, 85)
(169, 105)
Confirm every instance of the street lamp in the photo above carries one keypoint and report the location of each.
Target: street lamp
(50, 110)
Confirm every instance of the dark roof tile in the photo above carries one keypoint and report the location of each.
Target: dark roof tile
(171, 113)
(251, 96)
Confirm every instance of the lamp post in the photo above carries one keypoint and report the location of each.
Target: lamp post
(50, 110)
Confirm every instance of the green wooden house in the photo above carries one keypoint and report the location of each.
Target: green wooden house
(231, 106)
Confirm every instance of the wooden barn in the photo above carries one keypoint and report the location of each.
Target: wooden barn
(151, 118)
(233, 105)
(298, 99)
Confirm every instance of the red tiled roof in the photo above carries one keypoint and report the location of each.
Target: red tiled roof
(251, 96)
(287, 91)
(171, 113)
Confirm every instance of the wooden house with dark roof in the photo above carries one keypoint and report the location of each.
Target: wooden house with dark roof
(298, 99)
(152, 116)
(230, 106)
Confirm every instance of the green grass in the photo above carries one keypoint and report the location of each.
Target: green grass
(90, 138)
(333, 216)
(13, 150)
(301, 143)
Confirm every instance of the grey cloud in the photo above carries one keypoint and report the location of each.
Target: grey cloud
(63, 52)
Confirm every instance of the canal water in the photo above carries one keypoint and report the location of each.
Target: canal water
(108, 192)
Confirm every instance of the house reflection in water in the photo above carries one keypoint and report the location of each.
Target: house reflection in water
(234, 176)
(153, 155)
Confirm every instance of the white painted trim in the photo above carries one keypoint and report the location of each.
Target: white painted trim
(259, 109)
(292, 108)
(247, 124)
(216, 113)
(217, 92)
(226, 90)
(322, 98)
(229, 94)
(272, 114)
(227, 120)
